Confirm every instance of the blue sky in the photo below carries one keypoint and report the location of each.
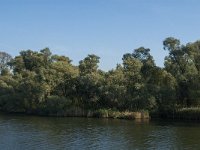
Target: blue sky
(108, 28)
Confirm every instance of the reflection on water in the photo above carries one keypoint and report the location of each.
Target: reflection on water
(29, 132)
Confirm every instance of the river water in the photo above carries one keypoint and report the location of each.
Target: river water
(18, 132)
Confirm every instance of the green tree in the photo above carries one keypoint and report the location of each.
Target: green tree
(181, 65)
(89, 81)
(89, 64)
(114, 90)
(133, 81)
(147, 72)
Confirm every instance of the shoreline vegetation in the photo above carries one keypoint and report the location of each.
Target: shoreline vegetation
(41, 83)
(187, 114)
(102, 113)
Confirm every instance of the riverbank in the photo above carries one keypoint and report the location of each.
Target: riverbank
(192, 113)
(100, 113)
(185, 114)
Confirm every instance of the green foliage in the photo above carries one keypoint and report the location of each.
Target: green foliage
(182, 63)
(192, 113)
(89, 64)
(55, 104)
(109, 113)
(39, 82)
(113, 91)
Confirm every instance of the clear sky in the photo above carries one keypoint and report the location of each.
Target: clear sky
(107, 28)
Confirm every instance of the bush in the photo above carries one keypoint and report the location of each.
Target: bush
(55, 105)
(108, 113)
(101, 113)
(192, 113)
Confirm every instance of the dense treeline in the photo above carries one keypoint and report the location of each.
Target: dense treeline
(39, 82)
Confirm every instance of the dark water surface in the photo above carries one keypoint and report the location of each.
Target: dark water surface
(19, 132)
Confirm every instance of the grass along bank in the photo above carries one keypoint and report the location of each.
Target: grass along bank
(100, 113)
(191, 113)
(108, 113)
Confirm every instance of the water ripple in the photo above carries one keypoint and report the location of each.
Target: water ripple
(26, 132)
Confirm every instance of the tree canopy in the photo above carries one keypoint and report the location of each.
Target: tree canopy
(38, 81)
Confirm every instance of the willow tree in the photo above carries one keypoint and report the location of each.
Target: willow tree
(182, 66)
(89, 81)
